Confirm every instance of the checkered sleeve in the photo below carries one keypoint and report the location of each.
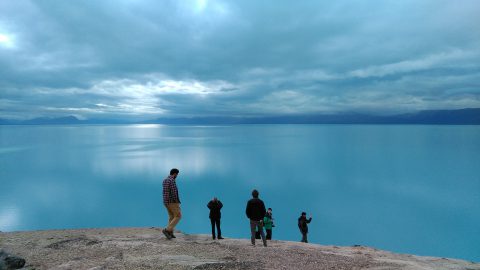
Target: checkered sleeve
(174, 192)
(166, 191)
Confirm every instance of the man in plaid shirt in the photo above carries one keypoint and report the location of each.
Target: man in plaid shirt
(171, 200)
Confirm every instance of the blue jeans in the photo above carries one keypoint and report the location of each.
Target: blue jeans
(254, 224)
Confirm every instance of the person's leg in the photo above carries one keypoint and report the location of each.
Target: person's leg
(170, 218)
(304, 237)
(212, 221)
(177, 215)
(170, 215)
(219, 231)
(262, 234)
(253, 226)
(269, 234)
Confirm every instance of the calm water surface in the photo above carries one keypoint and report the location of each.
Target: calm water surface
(410, 189)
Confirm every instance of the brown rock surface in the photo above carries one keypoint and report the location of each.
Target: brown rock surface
(147, 248)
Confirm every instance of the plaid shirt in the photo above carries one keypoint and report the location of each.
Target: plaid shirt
(170, 191)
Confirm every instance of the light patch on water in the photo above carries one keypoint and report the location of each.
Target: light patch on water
(155, 126)
(5, 150)
(9, 219)
(156, 163)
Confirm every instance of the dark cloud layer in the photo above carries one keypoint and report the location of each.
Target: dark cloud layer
(146, 59)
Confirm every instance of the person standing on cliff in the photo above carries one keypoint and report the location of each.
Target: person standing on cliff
(302, 225)
(215, 205)
(268, 223)
(171, 200)
(255, 212)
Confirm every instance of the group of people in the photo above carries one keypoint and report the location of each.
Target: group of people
(256, 212)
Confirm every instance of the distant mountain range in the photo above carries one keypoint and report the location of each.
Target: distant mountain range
(429, 117)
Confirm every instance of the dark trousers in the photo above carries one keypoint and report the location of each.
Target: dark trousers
(304, 237)
(216, 221)
(269, 234)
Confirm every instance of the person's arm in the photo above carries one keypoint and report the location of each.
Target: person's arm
(248, 211)
(209, 205)
(166, 193)
(309, 220)
(267, 220)
(174, 192)
(220, 205)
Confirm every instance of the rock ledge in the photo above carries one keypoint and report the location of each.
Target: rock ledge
(147, 248)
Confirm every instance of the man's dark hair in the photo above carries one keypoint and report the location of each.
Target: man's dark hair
(255, 193)
(174, 171)
(269, 208)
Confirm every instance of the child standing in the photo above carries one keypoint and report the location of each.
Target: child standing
(268, 223)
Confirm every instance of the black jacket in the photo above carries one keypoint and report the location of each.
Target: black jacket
(215, 209)
(302, 224)
(255, 209)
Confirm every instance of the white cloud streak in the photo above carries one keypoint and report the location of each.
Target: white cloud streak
(440, 60)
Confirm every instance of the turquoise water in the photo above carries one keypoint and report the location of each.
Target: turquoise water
(409, 189)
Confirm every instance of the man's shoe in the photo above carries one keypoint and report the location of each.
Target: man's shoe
(213, 237)
(167, 234)
(220, 238)
(172, 235)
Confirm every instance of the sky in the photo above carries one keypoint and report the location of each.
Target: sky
(147, 59)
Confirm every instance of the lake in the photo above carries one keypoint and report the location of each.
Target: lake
(404, 188)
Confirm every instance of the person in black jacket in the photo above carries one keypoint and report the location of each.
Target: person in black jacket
(302, 225)
(255, 212)
(215, 205)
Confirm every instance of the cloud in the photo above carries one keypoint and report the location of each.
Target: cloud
(441, 60)
(146, 95)
(144, 59)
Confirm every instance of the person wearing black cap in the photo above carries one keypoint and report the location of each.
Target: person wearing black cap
(255, 212)
(302, 225)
